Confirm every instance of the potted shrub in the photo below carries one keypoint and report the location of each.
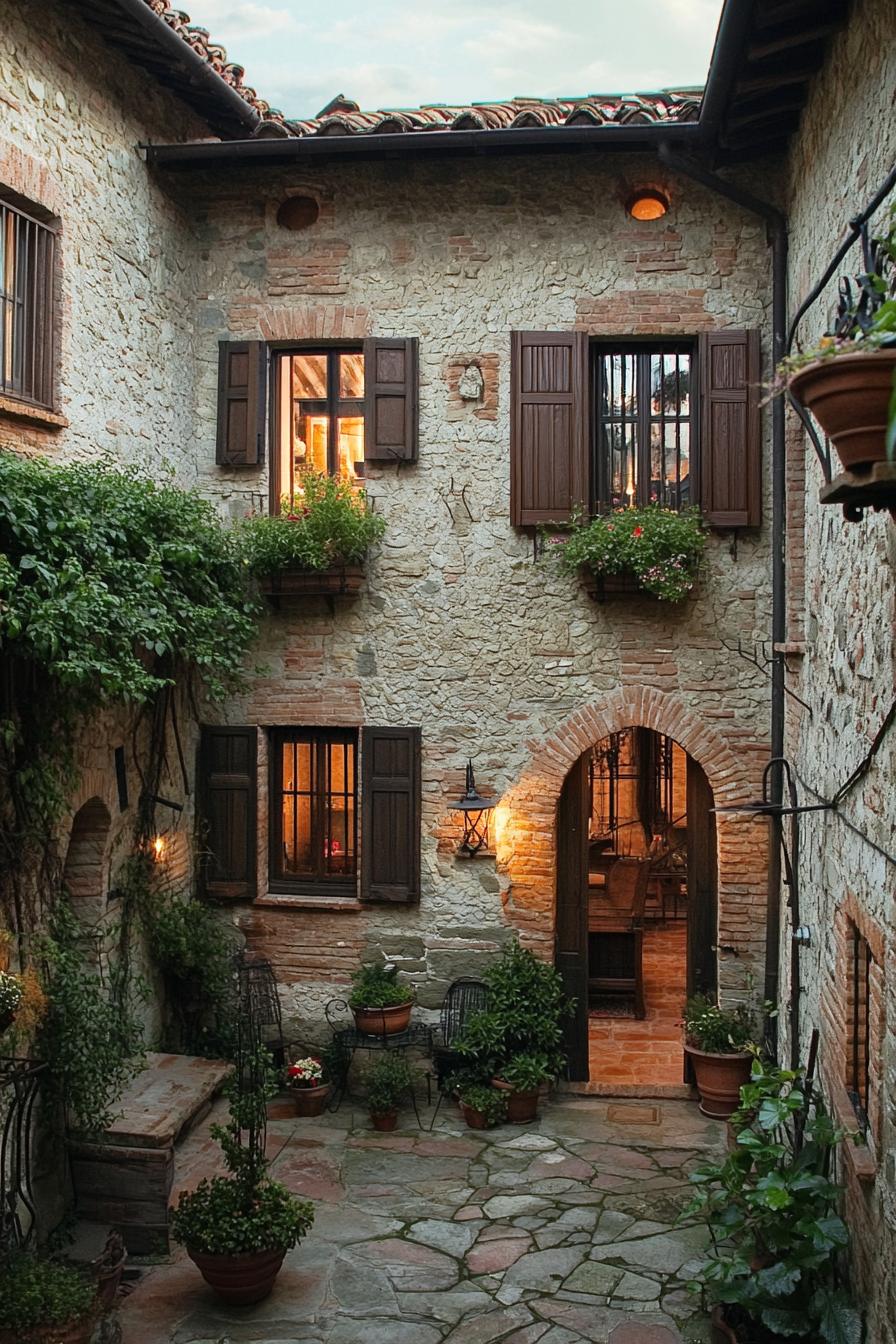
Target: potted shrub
(388, 1080)
(318, 542)
(521, 1078)
(771, 1209)
(483, 1107)
(379, 1004)
(237, 1228)
(307, 1085)
(650, 550)
(11, 994)
(43, 1301)
(848, 380)
(719, 1043)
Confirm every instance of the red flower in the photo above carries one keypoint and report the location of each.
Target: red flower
(637, 531)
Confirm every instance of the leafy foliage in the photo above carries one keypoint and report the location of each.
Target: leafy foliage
(329, 523)
(488, 1101)
(388, 1080)
(718, 1031)
(39, 1292)
(771, 1208)
(527, 1006)
(527, 1072)
(376, 986)
(660, 547)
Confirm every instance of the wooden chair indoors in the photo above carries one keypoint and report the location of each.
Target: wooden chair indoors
(616, 932)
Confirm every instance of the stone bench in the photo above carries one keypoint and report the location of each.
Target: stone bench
(124, 1178)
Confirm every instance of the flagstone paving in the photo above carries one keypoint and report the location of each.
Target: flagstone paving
(554, 1233)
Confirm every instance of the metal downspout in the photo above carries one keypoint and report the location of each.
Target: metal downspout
(777, 226)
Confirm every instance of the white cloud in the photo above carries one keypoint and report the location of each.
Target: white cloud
(229, 20)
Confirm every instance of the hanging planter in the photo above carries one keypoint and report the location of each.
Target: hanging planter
(850, 397)
(650, 551)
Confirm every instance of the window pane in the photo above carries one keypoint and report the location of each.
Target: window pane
(309, 377)
(618, 446)
(297, 805)
(350, 445)
(669, 429)
(339, 840)
(351, 376)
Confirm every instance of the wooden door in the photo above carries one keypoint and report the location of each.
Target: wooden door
(571, 936)
(702, 884)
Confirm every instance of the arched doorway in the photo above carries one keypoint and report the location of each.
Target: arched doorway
(636, 906)
(84, 876)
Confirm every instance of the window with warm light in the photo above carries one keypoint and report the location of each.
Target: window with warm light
(27, 335)
(320, 416)
(642, 426)
(314, 829)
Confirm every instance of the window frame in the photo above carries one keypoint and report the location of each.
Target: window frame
(859, 1038)
(277, 350)
(645, 347)
(318, 884)
(39, 316)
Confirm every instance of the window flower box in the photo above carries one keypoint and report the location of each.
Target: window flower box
(340, 581)
(650, 551)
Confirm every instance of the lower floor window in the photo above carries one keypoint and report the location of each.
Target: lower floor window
(314, 809)
(858, 1045)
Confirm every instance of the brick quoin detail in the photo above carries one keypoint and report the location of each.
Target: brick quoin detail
(527, 842)
(645, 312)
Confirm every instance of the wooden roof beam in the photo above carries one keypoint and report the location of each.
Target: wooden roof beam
(804, 37)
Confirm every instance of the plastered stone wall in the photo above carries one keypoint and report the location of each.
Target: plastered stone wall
(460, 630)
(842, 586)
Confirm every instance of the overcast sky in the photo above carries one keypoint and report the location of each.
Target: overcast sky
(383, 53)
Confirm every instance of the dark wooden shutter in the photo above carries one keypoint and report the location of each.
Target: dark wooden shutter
(548, 426)
(242, 402)
(571, 934)
(702, 884)
(730, 464)
(390, 814)
(228, 813)
(390, 399)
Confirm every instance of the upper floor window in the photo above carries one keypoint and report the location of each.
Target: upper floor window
(26, 307)
(320, 415)
(642, 426)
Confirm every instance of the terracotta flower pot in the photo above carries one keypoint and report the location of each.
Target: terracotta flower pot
(383, 1021)
(239, 1280)
(311, 1100)
(722, 1333)
(475, 1119)
(849, 395)
(719, 1080)
(385, 1121)
(522, 1107)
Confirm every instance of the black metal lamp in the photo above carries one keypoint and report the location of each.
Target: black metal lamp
(476, 812)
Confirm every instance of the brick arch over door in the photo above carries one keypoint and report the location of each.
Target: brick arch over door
(733, 765)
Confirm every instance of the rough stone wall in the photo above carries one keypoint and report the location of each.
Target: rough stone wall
(497, 657)
(845, 148)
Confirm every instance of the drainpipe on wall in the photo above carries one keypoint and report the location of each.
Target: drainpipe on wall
(777, 230)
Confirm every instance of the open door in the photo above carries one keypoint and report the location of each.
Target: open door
(571, 939)
(702, 884)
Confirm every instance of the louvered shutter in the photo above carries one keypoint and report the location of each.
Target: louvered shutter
(242, 403)
(390, 814)
(390, 399)
(548, 427)
(730, 462)
(228, 813)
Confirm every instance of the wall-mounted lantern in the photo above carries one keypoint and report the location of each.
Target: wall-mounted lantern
(476, 812)
(647, 203)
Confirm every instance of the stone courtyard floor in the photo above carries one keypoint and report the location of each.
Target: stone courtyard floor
(552, 1233)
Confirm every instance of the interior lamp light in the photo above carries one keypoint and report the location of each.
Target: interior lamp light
(647, 203)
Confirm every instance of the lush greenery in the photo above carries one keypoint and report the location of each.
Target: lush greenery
(376, 986)
(488, 1101)
(11, 993)
(718, 1031)
(328, 524)
(660, 547)
(527, 1072)
(38, 1292)
(527, 1008)
(245, 1211)
(771, 1208)
(90, 1036)
(388, 1080)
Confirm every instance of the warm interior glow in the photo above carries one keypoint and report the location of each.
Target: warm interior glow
(159, 846)
(648, 204)
(321, 398)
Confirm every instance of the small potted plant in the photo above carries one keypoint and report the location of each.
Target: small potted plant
(651, 550)
(380, 1005)
(388, 1080)
(482, 1106)
(720, 1045)
(11, 994)
(772, 1213)
(318, 542)
(307, 1085)
(521, 1078)
(237, 1228)
(43, 1301)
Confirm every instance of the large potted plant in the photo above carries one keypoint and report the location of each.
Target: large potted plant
(380, 1005)
(482, 1106)
(771, 1210)
(522, 1077)
(237, 1228)
(650, 550)
(848, 380)
(308, 1086)
(388, 1081)
(720, 1045)
(318, 542)
(43, 1301)
(11, 995)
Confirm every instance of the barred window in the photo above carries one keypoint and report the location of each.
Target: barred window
(642, 423)
(858, 1045)
(314, 812)
(26, 307)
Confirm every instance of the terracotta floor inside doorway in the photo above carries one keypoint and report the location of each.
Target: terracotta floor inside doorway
(634, 1057)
